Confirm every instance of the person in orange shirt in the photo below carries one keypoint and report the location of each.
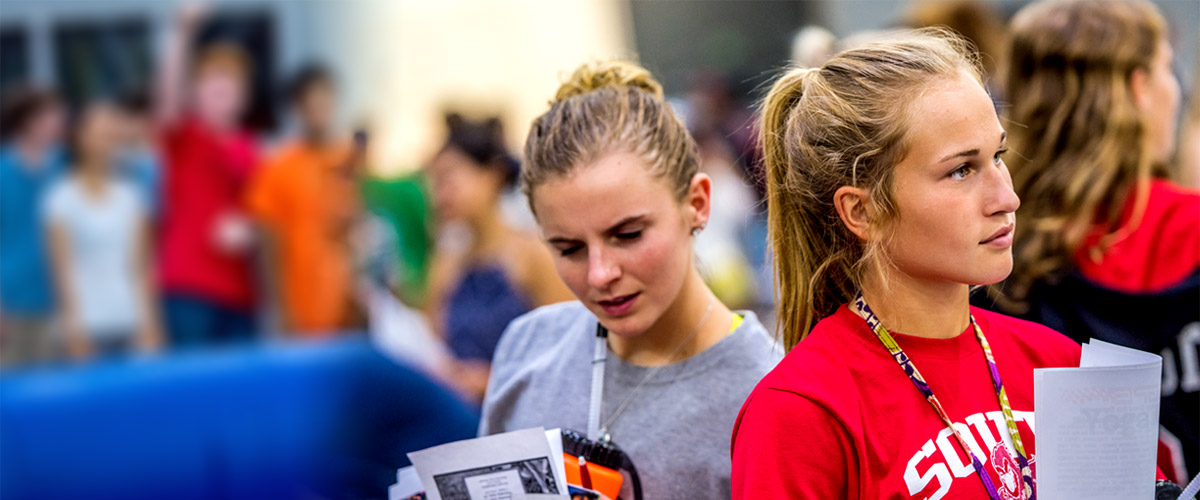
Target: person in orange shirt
(306, 198)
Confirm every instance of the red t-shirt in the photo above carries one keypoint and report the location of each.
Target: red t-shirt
(205, 177)
(1162, 250)
(838, 418)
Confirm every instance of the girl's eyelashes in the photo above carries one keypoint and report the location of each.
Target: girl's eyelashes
(624, 237)
(996, 159)
(964, 169)
(961, 172)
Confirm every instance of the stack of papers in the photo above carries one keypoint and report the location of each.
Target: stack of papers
(518, 465)
(1097, 425)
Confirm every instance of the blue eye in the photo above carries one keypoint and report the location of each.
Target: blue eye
(996, 159)
(961, 172)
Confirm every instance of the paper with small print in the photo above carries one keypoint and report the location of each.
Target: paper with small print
(516, 465)
(1097, 425)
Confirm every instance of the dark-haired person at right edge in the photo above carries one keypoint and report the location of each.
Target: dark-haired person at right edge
(1106, 246)
(648, 359)
(485, 272)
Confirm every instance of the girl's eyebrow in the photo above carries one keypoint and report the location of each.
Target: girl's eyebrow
(613, 229)
(972, 152)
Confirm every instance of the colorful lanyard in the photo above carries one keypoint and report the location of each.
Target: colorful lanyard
(906, 364)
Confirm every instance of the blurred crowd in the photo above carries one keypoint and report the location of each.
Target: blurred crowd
(156, 220)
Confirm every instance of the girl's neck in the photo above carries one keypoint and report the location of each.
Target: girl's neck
(316, 138)
(685, 329)
(918, 307)
(33, 153)
(489, 231)
(93, 178)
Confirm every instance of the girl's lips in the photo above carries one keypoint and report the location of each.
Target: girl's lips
(1001, 242)
(619, 306)
(1002, 239)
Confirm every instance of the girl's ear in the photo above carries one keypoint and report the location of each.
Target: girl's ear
(699, 200)
(851, 204)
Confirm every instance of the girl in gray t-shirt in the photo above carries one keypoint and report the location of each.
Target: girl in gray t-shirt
(613, 179)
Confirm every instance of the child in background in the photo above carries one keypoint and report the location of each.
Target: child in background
(306, 200)
(205, 239)
(99, 244)
(30, 159)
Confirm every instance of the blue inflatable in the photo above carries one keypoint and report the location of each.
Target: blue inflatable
(316, 420)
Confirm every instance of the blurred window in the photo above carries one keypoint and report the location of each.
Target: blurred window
(14, 56)
(744, 41)
(101, 57)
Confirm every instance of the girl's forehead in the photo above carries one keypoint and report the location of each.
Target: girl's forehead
(599, 197)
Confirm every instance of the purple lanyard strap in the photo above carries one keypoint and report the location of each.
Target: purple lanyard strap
(860, 307)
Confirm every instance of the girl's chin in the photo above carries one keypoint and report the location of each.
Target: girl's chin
(990, 278)
(626, 327)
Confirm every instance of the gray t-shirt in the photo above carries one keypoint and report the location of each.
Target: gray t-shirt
(676, 428)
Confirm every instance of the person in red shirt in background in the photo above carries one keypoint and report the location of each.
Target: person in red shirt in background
(887, 200)
(205, 239)
(1106, 245)
(306, 198)
(1094, 162)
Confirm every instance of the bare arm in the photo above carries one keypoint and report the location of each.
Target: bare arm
(173, 65)
(271, 257)
(78, 345)
(150, 336)
(442, 272)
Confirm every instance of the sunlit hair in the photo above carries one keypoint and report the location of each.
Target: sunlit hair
(842, 124)
(225, 57)
(1077, 135)
(607, 108)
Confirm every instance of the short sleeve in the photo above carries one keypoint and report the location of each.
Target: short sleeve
(55, 203)
(787, 446)
(505, 363)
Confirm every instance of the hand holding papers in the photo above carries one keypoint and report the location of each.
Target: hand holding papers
(1097, 425)
(515, 465)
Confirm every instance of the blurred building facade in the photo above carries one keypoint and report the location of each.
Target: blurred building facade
(401, 63)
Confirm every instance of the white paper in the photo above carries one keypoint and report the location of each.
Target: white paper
(554, 439)
(448, 471)
(1097, 425)
(503, 485)
(407, 484)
